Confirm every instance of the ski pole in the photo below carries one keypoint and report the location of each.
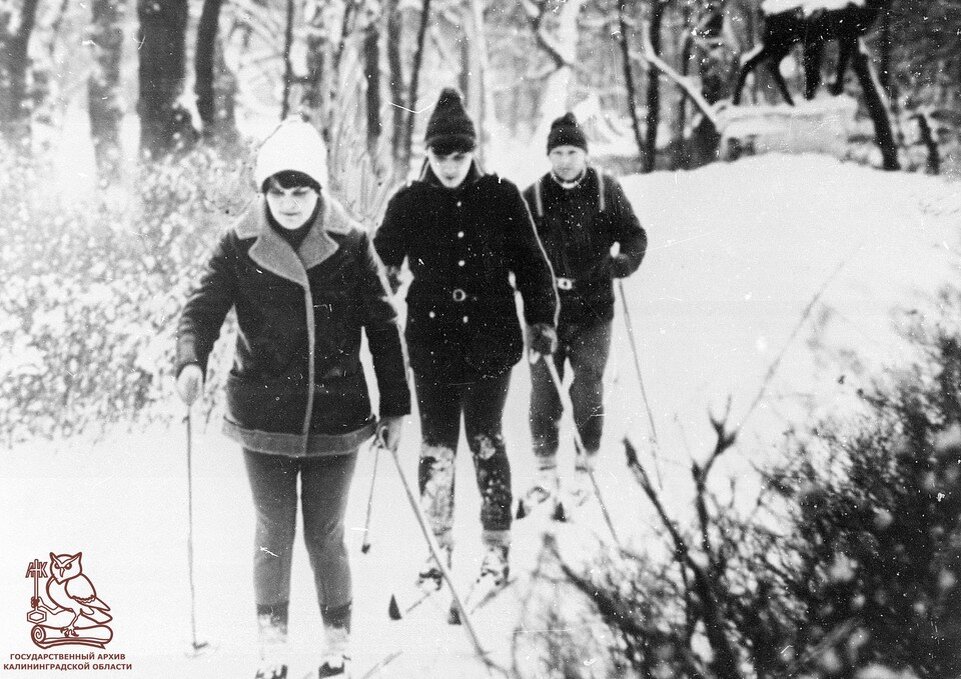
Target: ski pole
(435, 552)
(640, 380)
(197, 646)
(365, 546)
(578, 442)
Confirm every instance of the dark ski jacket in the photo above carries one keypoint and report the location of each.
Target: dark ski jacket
(462, 246)
(297, 386)
(577, 227)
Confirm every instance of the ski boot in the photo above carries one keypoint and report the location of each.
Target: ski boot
(544, 493)
(272, 639)
(271, 671)
(582, 487)
(494, 572)
(334, 666)
(495, 568)
(430, 575)
(336, 660)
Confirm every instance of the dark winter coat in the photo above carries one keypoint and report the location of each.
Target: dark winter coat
(462, 245)
(297, 386)
(577, 227)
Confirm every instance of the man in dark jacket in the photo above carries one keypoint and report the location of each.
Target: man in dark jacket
(463, 234)
(591, 236)
(304, 281)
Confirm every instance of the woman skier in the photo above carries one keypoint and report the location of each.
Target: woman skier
(304, 281)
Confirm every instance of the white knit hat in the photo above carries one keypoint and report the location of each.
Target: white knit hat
(294, 145)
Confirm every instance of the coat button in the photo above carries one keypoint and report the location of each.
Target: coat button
(460, 263)
(432, 314)
(459, 203)
(465, 319)
(460, 234)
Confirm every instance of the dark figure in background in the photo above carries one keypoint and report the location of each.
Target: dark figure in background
(784, 30)
(304, 281)
(580, 214)
(463, 234)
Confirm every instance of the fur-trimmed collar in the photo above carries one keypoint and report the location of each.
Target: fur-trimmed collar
(275, 254)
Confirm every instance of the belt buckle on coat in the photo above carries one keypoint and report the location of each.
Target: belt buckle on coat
(458, 295)
(564, 283)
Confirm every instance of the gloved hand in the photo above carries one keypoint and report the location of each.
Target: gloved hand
(189, 382)
(393, 278)
(620, 266)
(389, 430)
(541, 338)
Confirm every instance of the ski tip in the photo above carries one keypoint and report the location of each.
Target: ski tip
(199, 649)
(364, 548)
(521, 510)
(559, 513)
(453, 615)
(393, 610)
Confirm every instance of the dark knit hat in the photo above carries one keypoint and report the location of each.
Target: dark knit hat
(566, 132)
(449, 125)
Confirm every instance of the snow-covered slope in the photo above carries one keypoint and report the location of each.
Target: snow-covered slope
(737, 252)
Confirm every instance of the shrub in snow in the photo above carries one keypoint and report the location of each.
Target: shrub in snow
(92, 291)
(849, 567)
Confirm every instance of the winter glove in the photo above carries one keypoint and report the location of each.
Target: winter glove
(189, 382)
(621, 266)
(388, 432)
(393, 278)
(542, 338)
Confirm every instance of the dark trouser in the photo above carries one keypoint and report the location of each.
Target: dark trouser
(587, 348)
(482, 404)
(324, 485)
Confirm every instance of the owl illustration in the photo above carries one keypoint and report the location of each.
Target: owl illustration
(70, 590)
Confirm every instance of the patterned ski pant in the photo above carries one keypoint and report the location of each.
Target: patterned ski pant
(587, 349)
(325, 483)
(482, 404)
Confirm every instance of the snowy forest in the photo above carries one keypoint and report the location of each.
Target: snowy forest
(778, 492)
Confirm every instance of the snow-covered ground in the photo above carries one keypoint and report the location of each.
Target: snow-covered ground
(809, 6)
(737, 253)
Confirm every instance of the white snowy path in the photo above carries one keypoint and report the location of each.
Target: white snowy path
(737, 251)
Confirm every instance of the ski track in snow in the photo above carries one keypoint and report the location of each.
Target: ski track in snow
(736, 253)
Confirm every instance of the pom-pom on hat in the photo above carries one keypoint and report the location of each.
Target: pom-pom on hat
(566, 132)
(449, 124)
(295, 145)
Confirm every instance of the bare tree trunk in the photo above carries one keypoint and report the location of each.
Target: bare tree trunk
(204, 65)
(316, 81)
(629, 77)
(714, 78)
(931, 146)
(877, 107)
(476, 89)
(103, 88)
(14, 66)
(288, 64)
(653, 88)
(214, 84)
(680, 152)
(884, 50)
(405, 151)
(395, 68)
(372, 76)
(463, 78)
(165, 125)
